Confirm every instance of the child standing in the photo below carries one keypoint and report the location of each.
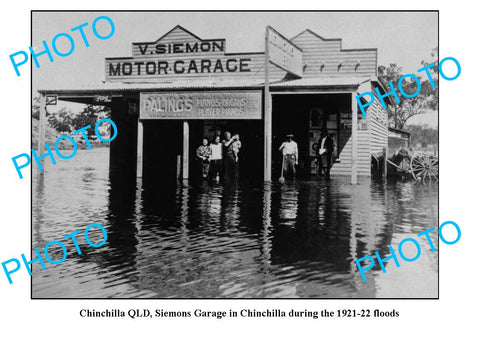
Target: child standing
(236, 145)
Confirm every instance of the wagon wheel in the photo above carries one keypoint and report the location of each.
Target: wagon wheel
(404, 165)
(424, 168)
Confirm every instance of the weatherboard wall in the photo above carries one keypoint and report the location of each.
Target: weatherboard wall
(325, 57)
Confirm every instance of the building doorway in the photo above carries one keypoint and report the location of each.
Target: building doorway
(162, 149)
(305, 116)
(251, 137)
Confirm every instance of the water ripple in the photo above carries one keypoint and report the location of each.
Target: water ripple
(251, 241)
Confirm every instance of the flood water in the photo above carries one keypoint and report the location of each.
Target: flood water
(297, 240)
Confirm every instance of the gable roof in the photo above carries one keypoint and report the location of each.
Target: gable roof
(315, 34)
(176, 28)
(332, 39)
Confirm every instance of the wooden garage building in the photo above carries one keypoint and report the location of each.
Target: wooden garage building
(181, 87)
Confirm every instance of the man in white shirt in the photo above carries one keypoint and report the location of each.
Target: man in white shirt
(289, 150)
(216, 158)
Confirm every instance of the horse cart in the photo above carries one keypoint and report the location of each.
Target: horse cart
(417, 165)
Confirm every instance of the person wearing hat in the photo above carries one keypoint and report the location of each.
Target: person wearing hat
(326, 146)
(289, 150)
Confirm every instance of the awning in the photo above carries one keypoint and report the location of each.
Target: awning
(89, 93)
(326, 82)
(114, 88)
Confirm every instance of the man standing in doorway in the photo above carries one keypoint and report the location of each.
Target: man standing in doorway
(229, 153)
(289, 150)
(325, 153)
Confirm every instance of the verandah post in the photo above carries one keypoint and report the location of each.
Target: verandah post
(42, 128)
(140, 149)
(186, 146)
(354, 139)
(267, 167)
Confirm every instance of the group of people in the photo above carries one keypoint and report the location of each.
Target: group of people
(324, 149)
(220, 159)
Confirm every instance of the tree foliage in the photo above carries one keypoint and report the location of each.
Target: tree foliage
(61, 120)
(89, 116)
(36, 108)
(423, 135)
(65, 121)
(427, 98)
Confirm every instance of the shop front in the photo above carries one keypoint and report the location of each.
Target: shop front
(195, 115)
(176, 91)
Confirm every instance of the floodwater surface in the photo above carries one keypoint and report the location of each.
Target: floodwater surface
(174, 240)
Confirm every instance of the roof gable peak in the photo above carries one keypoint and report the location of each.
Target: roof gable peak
(178, 28)
(315, 35)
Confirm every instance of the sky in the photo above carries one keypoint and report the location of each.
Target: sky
(405, 38)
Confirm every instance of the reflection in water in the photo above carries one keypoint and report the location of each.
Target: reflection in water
(288, 204)
(37, 212)
(267, 227)
(270, 240)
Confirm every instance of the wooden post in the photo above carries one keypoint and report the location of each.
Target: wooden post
(267, 167)
(140, 149)
(41, 130)
(354, 140)
(186, 146)
(179, 167)
(385, 164)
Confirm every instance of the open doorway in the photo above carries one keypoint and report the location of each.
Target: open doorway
(305, 116)
(251, 152)
(162, 147)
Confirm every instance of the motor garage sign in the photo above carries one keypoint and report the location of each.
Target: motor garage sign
(181, 54)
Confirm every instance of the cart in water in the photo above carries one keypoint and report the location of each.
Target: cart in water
(419, 166)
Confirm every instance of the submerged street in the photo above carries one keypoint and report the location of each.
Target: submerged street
(168, 240)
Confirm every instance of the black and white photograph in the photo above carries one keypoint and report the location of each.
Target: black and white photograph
(234, 155)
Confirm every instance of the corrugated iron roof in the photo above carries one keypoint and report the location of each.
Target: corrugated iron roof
(320, 82)
(191, 84)
(212, 84)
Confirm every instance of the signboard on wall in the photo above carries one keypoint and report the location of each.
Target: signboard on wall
(51, 100)
(102, 99)
(283, 53)
(201, 105)
(346, 121)
(181, 54)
